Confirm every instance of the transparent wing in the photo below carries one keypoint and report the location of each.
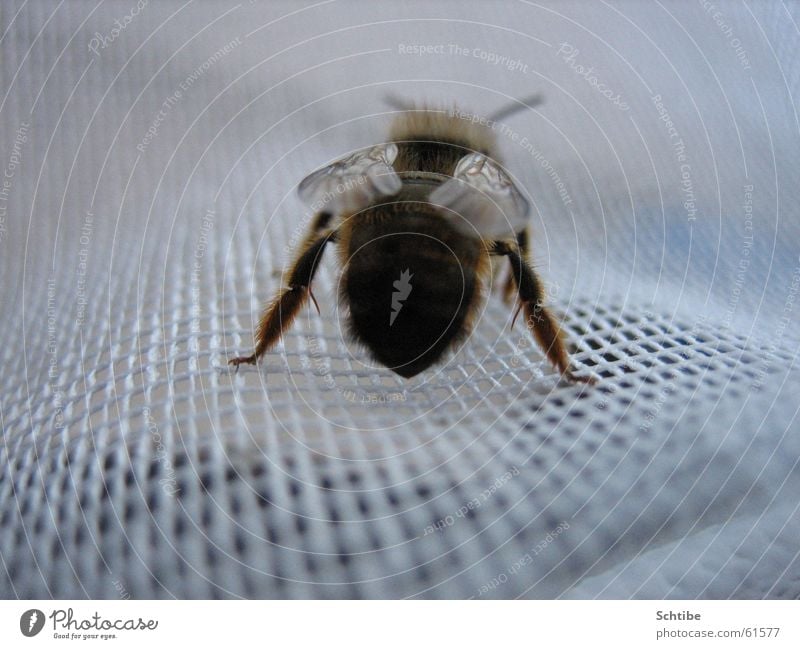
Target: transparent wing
(481, 196)
(352, 183)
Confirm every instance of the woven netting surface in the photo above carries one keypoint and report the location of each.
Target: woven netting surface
(149, 211)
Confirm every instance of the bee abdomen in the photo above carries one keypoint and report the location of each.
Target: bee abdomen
(411, 284)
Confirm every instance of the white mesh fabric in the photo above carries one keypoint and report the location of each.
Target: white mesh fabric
(134, 264)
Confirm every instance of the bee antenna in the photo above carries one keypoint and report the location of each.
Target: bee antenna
(515, 106)
(397, 103)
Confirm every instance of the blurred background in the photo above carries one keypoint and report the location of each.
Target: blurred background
(151, 153)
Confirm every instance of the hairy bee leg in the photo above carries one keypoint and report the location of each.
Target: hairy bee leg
(538, 318)
(320, 223)
(280, 313)
(510, 285)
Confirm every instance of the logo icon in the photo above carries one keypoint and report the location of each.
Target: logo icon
(31, 622)
(402, 290)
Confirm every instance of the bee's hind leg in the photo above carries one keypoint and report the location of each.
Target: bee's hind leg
(509, 285)
(538, 319)
(320, 223)
(280, 313)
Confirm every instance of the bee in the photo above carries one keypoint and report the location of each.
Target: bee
(416, 221)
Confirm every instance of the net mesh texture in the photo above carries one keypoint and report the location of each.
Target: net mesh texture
(151, 206)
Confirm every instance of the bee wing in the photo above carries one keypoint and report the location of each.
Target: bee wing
(482, 194)
(352, 183)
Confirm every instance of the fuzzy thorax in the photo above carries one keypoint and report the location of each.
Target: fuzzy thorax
(443, 125)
